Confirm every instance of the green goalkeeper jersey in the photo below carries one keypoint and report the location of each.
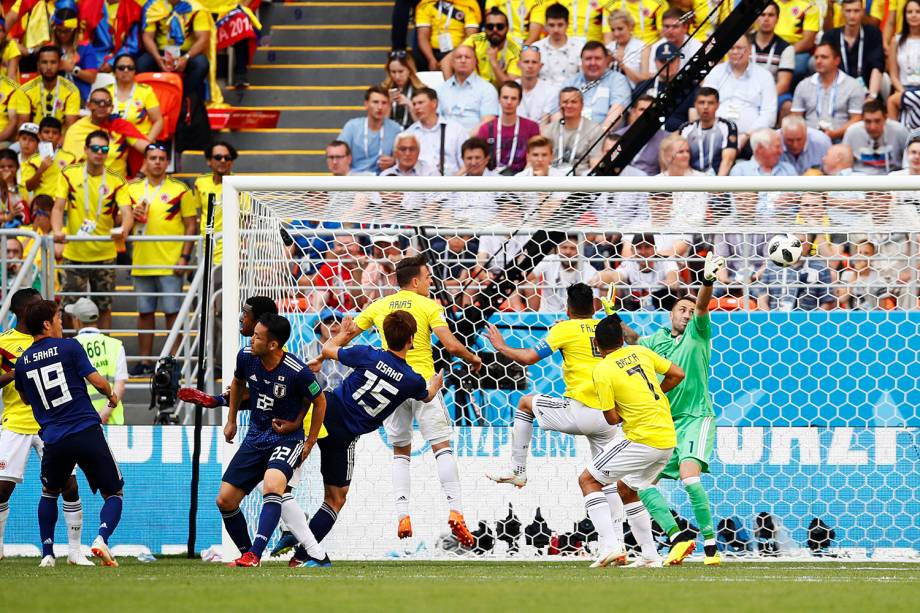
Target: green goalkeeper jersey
(691, 351)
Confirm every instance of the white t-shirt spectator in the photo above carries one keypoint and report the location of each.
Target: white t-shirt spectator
(834, 104)
(430, 142)
(559, 64)
(632, 55)
(642, 282)
(539, 102)
(877, 156)
(556, 278)
(748, 100)
(909, 61)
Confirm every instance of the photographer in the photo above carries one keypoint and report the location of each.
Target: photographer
(106, 354)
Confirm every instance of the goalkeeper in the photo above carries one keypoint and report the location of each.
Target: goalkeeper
(687, 343)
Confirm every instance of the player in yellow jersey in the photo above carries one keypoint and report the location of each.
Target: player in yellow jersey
(19, 434)
(414, 279)
(626, 381)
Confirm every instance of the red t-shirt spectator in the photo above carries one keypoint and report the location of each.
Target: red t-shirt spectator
(513, 151)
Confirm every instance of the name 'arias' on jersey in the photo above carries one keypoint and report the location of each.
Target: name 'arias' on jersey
(379, 383)
(50, 376)
(277, 393)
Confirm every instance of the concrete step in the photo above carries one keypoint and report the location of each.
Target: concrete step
(341, 12)
(281, 138)
(305, 54)
(268, 160)
(361, 34)
(316, 74)
(294, 95)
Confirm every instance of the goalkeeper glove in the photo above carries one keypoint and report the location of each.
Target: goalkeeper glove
(194, 396)
(609, 303)
(711, 268)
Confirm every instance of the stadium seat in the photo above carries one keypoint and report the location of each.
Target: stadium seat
(168, 88)
(103, 80)
(431, 78)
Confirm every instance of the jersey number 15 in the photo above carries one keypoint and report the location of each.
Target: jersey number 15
(372, 396)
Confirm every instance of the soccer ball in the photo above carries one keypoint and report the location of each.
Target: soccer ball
(784, 249)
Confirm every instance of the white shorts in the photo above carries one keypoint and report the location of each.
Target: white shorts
(635, 464)
(14, 454)
(433, 421)
(573, 417)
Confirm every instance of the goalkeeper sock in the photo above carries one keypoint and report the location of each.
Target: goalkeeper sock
(4, 514)
(295, 520)
(268, 521)
(47, 518)
(617, 514)
(322, 523)
(599, 514)
(658, 508)
(401, 483)
(450, 478)
(109, 516)
(699, 500)
(521, 435)
(640, 523)
(235, 525)
(73, 517)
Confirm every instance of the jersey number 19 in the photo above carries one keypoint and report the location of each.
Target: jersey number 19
(48, 378)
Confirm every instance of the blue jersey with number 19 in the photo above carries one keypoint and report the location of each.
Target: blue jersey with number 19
(50, 376)
(379, 383)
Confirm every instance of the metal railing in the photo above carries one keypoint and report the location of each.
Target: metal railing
(25, 274)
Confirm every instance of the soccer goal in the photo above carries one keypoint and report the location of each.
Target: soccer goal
(814, 366)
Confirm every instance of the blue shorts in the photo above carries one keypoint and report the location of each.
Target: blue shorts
(337, 450)
(87, 449)
(248, 466)
(164, 284)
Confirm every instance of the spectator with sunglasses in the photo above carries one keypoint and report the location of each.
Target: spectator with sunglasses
(49, 94)
(125, 155)
(162, 206)
(90, 198)
(40, 174)
(441, 25)
(496, 54)
(220, 157)
(135, 102)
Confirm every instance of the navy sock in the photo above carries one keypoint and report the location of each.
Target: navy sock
(268, 521)
(236, 527)
(109, 516)
(322, 522)
(47, 518)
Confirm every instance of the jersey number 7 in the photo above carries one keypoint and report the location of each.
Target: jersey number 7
(371, 395)
(637, 370)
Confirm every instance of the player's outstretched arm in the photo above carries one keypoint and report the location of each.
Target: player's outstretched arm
(456, 348)
(102, 386)
(673, 376)
(435, 385)
(347, 333)
(711, 268)
(7, 378)
(236, 397)
(527, 357)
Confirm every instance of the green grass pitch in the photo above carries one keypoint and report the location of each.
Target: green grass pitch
(190, 585)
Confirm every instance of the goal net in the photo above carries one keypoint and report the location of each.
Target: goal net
(814, 366)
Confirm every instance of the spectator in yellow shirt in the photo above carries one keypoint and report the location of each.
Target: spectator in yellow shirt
(441, 25)
(798, 24)
(220, 159)
(135, 102)
(162, 206)
(183, 50)
(496, 54)
(524, 30)
(49, 94)
(92, 197)
(9, 55)
(40, 174)
(14, 109)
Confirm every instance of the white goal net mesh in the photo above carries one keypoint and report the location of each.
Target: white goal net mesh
(814, 366)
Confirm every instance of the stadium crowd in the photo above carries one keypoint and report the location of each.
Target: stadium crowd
(532, 88)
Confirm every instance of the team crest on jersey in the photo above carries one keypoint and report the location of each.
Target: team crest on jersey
(279, 390)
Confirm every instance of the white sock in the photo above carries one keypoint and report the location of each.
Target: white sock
(641, 525)
(73, 518)
(4, 514)
(617, 514)
(521, 434)
(450, 477)
(599, 514)
(401, 484)
(295, 520)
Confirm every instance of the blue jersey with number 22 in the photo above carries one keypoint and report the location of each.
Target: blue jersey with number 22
(50, 376)
(379, 383)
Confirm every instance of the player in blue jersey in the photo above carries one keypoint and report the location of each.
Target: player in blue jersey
(51, 377)
(381, 381)
(281, 390)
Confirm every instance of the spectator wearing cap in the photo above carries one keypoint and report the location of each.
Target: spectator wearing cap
(440, 139)
(646, 161)
(126, 153)
(379, 276)
(40, 174)
(496, 54)
(558, 51)
(747, 92)
(667, 64)
(674, 30)
(27, 139)
(332, 372)
(508, 134)
(775, 54)
(878, 143)
(14, 107)
(803, 147)
(649, 277)
(538, 97)
(606, 92)
(371, 138)
(162, 206)
(106, 354)
(830, 100)
(177, 38)
(713, 140)
(442, 25)
(401, 83)
(574, 134)
(49, 94)
(862, 53)
(465, 97)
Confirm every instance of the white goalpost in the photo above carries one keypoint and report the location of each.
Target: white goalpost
(813, 374)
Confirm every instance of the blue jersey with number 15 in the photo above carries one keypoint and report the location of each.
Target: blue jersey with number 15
(379, 383)
(50, 376)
